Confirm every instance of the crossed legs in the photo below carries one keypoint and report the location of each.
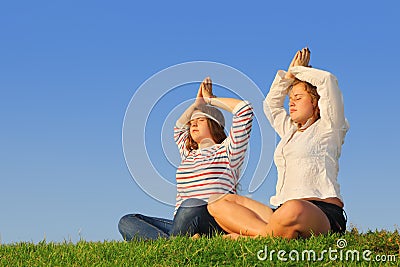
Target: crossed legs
(240, 215)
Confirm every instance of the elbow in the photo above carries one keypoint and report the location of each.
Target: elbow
(330, 78)
(267, 107)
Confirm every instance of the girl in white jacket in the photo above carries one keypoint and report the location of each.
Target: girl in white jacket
(307, 192)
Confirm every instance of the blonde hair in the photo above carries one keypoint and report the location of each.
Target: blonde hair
(216, 128)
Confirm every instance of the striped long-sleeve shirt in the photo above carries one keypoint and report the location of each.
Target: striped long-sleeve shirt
(215, 169)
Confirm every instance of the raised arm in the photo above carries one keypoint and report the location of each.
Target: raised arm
(185, 117)
(274, 102)
(239, 134)
(331, 100)
(181, 129)
(227, 104)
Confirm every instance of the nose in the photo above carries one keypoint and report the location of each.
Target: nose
(291, 103)
(193, 123)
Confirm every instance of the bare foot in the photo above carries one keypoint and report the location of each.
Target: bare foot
(195, 236)
(232, 236)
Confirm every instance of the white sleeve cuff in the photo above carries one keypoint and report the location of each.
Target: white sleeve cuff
(180, 125)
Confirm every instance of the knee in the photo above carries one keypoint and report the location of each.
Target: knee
(292, 211)
(190, 208)
(286, 221)
(193, 202)
(126, 220)
(215, 204)
(128, 217)
(188, 216)
(124, 226)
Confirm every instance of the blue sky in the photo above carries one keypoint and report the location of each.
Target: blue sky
(69, 69)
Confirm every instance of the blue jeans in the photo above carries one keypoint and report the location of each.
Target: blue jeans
(191, 217)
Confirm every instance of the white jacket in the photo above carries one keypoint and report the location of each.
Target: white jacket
(308, 163)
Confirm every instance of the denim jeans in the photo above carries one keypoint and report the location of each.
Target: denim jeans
(191, 217)
(138, 226)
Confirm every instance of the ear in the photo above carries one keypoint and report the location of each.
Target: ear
(314, 102)
(316, 111)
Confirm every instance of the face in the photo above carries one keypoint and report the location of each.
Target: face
(199, 129)
(301, 107)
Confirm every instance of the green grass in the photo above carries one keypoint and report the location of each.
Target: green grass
(216, 251)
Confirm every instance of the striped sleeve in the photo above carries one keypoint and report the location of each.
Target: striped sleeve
(239, 134)
(181, 133)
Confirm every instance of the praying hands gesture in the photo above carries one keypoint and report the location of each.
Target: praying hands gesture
(205, 93)
(302, 58)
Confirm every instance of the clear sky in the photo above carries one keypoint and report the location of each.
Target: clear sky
(69, 69)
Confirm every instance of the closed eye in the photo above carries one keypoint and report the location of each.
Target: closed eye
(296, 97)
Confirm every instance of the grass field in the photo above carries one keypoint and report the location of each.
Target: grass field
(379, 248)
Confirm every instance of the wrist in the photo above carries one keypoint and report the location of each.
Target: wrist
(209, 102)
(289, 75)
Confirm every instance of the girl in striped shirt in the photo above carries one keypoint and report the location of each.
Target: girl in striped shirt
(211, 165)
(211, 161)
